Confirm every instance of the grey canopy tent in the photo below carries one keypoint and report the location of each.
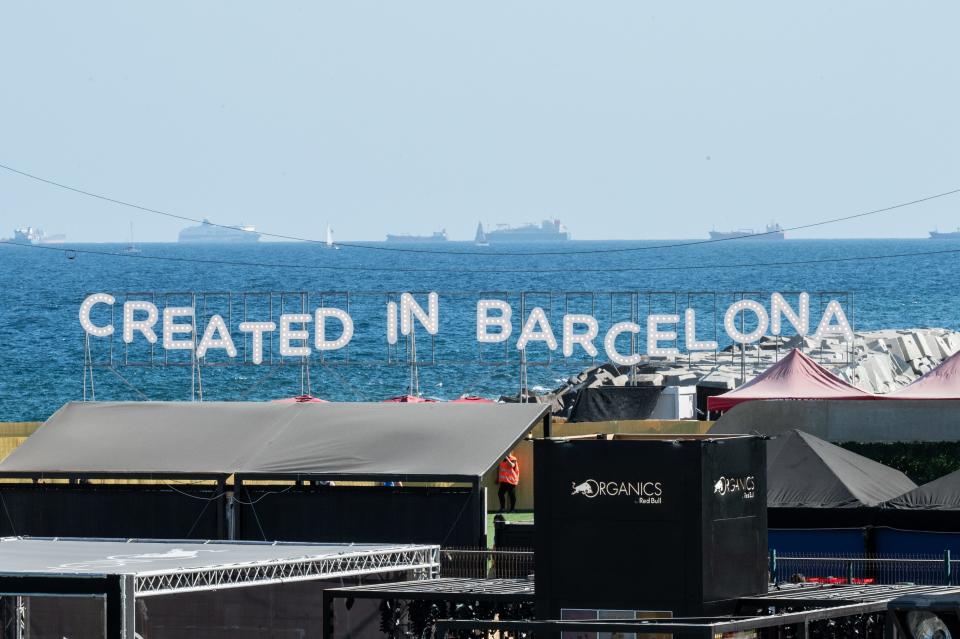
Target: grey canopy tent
(306, 442)
(813, 483)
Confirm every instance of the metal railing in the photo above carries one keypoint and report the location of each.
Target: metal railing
(482, 563)
(929, 570)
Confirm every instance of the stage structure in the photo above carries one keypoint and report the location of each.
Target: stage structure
(429, 328)
(116, 588)
(651, 524)
(282, 458)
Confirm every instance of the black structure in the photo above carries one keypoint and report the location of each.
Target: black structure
(611, 403)
(839, 612)
(114, 588)
(281, 458)
(647, 523)
(408, 608)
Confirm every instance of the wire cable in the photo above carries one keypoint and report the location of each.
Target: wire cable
(147, 209)
(577, 269)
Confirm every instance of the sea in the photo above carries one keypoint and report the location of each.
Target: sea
(43, 350)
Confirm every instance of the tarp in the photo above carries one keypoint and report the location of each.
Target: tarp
(806, 472)
(796, 376)
(943, 382)
(408, 399)
(198, 438)
(940, 494)
(301, 399)
(611, 403)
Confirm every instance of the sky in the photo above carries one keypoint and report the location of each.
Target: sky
(624, 119)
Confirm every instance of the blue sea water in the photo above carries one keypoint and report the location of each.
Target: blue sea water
(42, 345)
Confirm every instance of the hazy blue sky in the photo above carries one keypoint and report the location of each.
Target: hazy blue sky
(629, 120)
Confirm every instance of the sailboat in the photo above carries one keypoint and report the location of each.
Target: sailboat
(329, 242)
(481, 237)
(131, 247)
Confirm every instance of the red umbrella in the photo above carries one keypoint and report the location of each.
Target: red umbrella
(301, 399)
(408, 399)
(472, 399)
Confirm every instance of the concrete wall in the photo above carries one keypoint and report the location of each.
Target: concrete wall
(524, 451)
(849, 421)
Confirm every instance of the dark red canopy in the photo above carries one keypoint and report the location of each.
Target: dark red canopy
(472, 399)
(301, 399)
(943, 382)
(796, 376)
(408, 399)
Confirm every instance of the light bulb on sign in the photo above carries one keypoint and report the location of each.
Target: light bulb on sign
(690, 334)
(410, 309)
(799, 320)
(145, 326)
(171, 329)
(585, 339)
(88, 326)
(391, 322)
(537, 329)
(610, 343)
(320, 342)
(738, 307)
(485, 320)
(216, 335)
(841, 328)
(256, 330)
(287, 334)
(655, 335)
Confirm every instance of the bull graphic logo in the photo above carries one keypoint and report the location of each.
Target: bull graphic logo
(587, 489)
(720, 487)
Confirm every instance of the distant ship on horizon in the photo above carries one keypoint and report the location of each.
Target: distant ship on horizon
(773, 232)
(949, 235)
(208, 233)
(33, 235)
(436, 236)
(547, 231)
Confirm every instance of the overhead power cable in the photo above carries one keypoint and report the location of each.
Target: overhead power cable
(394, 249)
(394, 269)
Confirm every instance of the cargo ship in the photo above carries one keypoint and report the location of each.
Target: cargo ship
(32, 235)
(437, 236)
(949, 235)
(547, 231)
(208, 233)
(773, 232)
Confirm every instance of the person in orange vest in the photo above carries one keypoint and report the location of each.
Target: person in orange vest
(508, 478)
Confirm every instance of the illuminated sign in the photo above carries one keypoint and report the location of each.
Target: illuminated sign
(325, 328)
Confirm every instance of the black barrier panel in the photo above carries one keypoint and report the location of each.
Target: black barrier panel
(513, 534)
(368, 514)
(85, 510)
(823, 517)
(649, 524)
(278, 610)
(612, 403)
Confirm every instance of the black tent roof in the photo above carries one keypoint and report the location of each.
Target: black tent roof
(806, 472)
(376, 440)
(940, 494)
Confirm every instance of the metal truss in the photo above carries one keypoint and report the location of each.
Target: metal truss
(421, 562)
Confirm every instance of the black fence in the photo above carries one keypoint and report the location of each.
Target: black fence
(481, 563)
(928, 570)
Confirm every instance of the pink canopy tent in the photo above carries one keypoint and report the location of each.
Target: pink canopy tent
(943, 382)
(301, 399)
(408, 399)
(472, 399)
(796, 376)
